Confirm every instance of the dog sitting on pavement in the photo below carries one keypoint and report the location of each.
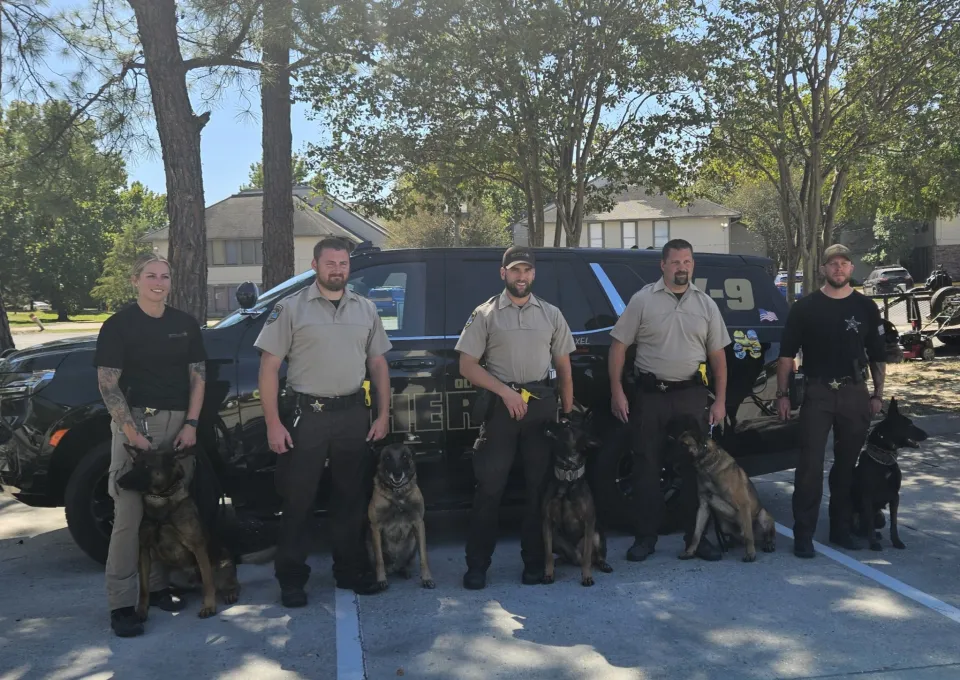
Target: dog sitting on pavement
(569, 514)
(724, 488)
(396, 510)
(877, 476)
(171, 530)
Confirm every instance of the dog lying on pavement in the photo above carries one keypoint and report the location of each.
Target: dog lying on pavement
(569, 514)
(171, 530)
(396, 511)
(877, 476)
(724, 488)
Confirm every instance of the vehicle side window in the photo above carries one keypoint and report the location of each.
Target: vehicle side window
(399, 292)
(624, 279)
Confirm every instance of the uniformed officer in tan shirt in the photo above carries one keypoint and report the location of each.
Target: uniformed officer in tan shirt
(517, 336)
(676, 327)
(330, 337)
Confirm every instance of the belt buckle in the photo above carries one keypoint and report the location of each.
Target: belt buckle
(662, 386)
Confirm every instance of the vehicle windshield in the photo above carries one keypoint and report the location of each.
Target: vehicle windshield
(267, 299)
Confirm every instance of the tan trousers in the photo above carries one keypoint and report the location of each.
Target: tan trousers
(124, 553)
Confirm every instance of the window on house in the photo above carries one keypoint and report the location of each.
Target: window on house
(661, 233)
(595, 230)
(628, 232)
(235, 252)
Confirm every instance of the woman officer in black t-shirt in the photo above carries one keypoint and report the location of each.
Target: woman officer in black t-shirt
(151, 367)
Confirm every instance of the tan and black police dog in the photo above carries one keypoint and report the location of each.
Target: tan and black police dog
(722, 486)
(396, 510)
(171, 530)
(569, 515)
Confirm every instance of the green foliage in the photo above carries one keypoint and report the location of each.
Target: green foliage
(58, 208)
(301, 173)
(141, 211)
(481, 226)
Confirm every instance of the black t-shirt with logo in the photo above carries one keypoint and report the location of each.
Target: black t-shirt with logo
(834, 334)
(153, 355)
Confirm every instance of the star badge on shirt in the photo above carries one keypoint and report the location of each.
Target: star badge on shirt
(834, 385)
(853, 324)
(149, 411)
(317, 406)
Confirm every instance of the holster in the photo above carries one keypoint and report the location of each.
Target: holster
(482, 406)
(797, 388)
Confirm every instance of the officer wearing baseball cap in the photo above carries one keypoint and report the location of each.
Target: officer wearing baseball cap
(506, 349)
(839, 332)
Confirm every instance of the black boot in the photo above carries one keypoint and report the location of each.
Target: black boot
(641, 549)
(707, 551)
(125, 622)
(532, 576)
(475, 579)
(293, 596)
(803, 547)
(845, 540)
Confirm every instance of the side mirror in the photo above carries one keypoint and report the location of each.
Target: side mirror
(247, 294)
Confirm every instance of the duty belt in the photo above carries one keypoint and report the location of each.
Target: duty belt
(835, 383)
(651, 383)
(324, 404)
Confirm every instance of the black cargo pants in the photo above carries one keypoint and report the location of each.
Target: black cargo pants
(341, 436)
(847, 411)
(501, 437)
(649, 415)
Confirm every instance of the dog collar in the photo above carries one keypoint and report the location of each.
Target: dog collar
(881, 456)
(168, 493)
(569, 475)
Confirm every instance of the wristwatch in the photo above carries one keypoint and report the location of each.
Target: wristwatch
(192, 423)
(783, 393)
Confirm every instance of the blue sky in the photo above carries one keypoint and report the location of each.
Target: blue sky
(230, 142)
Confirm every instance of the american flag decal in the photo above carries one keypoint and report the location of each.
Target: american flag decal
(768, 316)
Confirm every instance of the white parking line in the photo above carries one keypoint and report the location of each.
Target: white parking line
(349, 646)
(893, 584)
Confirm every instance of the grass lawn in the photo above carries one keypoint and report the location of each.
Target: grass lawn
(23, 318)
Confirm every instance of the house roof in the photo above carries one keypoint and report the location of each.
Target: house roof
(241, 216)
(635, 204)
(345, 215)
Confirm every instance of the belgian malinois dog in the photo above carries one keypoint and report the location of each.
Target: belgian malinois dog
(171, 530)
(722, 486)
(877, 477)
(396, 510)
(569, 514)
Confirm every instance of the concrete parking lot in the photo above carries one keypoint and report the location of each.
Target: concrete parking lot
(892, 614)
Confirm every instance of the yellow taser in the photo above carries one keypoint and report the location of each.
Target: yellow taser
(366, 392)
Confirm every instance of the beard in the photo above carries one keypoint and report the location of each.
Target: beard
(681, 278)
(516, 292)
(334, 283)
(838, 284)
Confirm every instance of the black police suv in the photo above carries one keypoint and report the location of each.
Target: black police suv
(55, 434)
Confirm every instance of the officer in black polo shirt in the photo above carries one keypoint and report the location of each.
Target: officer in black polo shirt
(839, 331)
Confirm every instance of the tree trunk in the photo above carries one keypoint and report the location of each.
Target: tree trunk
(6, 338)
(179, 133)
(278, 254)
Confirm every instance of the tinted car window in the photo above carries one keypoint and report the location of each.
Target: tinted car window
(471, 282)
(398, 291)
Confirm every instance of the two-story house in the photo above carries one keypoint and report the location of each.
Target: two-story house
(235, 238)
(649, 221)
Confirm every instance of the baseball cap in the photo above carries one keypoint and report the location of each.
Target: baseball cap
(837, 250)
(518, 255)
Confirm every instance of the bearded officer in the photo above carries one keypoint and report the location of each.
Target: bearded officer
(676, 327)
(516, 335)
(330, 336)
(839, 331)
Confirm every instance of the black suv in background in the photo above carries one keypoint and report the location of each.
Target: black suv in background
(54, 428)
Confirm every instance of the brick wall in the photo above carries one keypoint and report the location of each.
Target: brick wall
(949, 257)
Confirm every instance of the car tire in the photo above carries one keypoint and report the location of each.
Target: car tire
(89, 507)
(87, 504)
(612, 487)
(936, 301)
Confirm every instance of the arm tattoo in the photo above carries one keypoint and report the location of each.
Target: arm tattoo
(878, 372)
(109, 379)
(199, 370)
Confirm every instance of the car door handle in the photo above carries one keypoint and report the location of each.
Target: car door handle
(413, 364)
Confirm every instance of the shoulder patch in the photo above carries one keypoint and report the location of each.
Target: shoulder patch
(470, 320)
(274, 315)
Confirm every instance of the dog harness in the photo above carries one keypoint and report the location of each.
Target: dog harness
(569, 475)
(881, 456)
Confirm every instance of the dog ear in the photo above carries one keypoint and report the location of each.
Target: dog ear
(893, 409)
(590, 441)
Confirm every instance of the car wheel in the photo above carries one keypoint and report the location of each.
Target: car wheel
(936, 301)
(612, 484)
(88, 505)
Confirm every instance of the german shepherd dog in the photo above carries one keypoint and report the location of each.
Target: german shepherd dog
(171, 530)
(722, 486)
(396, 510)
(877, 477)
(569, 514)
